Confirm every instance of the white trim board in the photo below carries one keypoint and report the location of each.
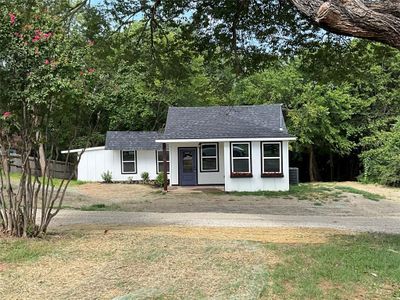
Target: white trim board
(83, 149)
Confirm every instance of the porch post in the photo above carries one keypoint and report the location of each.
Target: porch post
(165, 171)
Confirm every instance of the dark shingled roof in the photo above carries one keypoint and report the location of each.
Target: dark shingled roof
(256, 121)
(132, 140)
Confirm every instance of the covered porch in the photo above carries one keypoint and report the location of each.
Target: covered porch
(196, 164)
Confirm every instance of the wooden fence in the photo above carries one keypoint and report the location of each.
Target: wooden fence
(58, 169)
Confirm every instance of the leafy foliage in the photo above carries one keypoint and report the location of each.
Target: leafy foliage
(145, 177)
(107, 177)
(44, 78)
(382, 159)
(160, 179)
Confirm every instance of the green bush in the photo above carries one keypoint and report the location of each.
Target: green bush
(382, 160)
(107, 177)
(145, 177)
(160, 179)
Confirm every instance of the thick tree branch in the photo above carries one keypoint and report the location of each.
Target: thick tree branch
(374, 20)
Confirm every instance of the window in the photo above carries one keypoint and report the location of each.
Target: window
(209, 157)
(241, 159)
(160, 161)
(271, 158)
(128, 160)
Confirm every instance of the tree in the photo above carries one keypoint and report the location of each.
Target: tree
(318, 114)
(374, 20)
(45, 94)
(381, 158)
(144, 78)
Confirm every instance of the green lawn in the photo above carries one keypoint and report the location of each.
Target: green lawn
(314, 191)
(366, 265)
(193, 263)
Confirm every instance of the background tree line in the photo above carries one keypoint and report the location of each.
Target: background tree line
(340, 95)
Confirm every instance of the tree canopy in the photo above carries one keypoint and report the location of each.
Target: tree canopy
(70, 71)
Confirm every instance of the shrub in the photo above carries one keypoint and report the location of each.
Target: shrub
(160, 179)
(145, 177)
(382, 160)
(107, 177)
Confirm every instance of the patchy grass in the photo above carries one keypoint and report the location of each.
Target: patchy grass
(318, 192)
(17, 176)
(302, 191)
(193, 263)
(20, 251)
(363, 266)
(101, 207)
(367, 195)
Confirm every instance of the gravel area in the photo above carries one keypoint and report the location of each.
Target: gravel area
(141, 205)
(386, 224)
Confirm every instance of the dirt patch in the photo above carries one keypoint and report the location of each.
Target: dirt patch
(120, 191)
(378, 292)
(3, 267)
(264, 235)
(387, 192)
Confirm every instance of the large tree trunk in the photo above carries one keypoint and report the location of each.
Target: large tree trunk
(374, 20)
(312, 165)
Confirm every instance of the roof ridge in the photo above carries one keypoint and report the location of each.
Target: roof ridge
(232, 106)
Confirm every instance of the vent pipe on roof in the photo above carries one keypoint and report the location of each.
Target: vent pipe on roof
(280, 118)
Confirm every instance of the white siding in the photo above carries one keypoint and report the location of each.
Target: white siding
(203, 178)
(95, 162)
(257, 183)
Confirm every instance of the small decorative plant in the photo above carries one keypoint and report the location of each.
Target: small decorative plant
(130, 179)
(145, 177)
(160, 179)
(107, 177)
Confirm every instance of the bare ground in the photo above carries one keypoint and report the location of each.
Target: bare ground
(143, 198)
(142, 205)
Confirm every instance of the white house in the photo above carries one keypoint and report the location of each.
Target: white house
(244, 148)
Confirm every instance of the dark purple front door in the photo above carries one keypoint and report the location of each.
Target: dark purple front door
(187, 166)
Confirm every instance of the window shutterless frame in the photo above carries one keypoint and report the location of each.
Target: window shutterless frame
(216, 157)
(134, 161)
(249, 158)
(263, 158)
(161, 161)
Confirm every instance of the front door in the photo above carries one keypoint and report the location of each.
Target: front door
(187, 166)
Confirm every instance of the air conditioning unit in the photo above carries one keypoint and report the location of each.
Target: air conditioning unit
(293, 175)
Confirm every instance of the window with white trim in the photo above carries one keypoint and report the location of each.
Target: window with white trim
(209, 157)
(160, 161)
(241, 158)
(128, 161)
(271, 158)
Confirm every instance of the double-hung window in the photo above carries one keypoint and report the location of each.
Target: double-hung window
(209, 157)
(271, 158)
(160, 161)
(128, 161)
(241, 159)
